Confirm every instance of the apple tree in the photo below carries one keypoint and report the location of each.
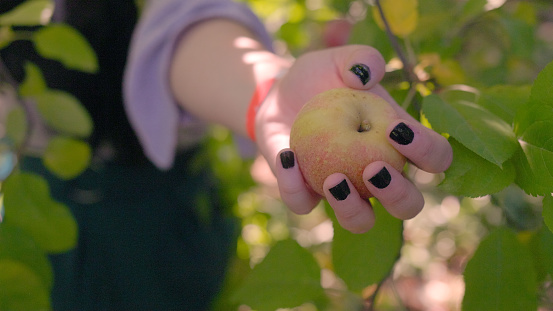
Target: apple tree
(481, 74)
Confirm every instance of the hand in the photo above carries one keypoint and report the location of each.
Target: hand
(317, 72)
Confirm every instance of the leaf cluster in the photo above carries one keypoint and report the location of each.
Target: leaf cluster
(33, 224)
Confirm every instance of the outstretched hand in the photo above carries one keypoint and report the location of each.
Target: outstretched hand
(357, 67)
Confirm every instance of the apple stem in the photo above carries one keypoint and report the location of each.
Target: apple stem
(364, 126)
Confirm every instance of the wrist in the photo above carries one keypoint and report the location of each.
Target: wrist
(261, 91)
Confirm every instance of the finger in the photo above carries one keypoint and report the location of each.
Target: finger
(293, 190)
(427, 149)
(352, 212)
(362, 67)
(397, 194)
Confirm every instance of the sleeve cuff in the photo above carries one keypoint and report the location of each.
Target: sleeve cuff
(150, 106)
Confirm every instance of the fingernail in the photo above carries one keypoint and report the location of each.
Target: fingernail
(362, 71)
(382, 179)
(341, 191)
(287, 159)
(402, 134)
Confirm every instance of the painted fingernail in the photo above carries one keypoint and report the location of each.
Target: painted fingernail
(287, 159)
(341, 191)
(362, 71)
(382, 179)
(402, 134)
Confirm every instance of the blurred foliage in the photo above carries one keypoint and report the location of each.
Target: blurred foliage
(475, 70)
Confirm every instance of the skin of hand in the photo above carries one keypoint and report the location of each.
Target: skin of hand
(319, 71)
(214, 79)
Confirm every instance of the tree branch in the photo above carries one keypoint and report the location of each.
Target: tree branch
(407, 66)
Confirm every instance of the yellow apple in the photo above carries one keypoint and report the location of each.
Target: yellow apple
(342, 131)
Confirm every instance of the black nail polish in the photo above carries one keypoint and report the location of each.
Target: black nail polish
(341, 191)
(402, 134)
(382, 179)
(362, 71)
(287, 159)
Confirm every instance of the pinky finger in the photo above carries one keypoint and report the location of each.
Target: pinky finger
(293, 191)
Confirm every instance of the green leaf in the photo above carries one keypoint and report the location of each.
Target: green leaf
(34, 82)
(542, 90)
(534, 166)
(288, 277)
(65, 44)
(473, 176)
(473, 126)
(532, 119)
(500, 276)
(361, 260)
(64, 113)
(547, 212)
(16, 125)
(29, 206)
(28, 13)
(473, 8)
(402, 16)
(66, 157)
(534, 125)
(16, 245)
(504, 100)
(7, 35)
(546, 250)
(21, 288)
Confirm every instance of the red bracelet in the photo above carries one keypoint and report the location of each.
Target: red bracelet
(261, 91)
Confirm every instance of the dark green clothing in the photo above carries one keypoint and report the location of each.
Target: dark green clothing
(142, 245)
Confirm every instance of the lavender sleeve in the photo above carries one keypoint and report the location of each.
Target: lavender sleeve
(150, 106)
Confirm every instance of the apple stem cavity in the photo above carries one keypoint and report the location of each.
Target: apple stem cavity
(364, 126)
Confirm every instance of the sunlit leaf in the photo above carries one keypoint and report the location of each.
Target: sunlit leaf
(28, 13)
(402, 16)
(66, 157)
(534, 167)
(64, 113)
(365, 259)
(16, 245)
(287, 277)
(534, 162)
(548, 211)
(504, 100)
(29, 206)
(473, 176)
(500, 276)
(473, 126)
(65, 44)
(21, 289)
(533, 126)
(34, 82)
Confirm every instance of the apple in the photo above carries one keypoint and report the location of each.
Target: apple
(342, 131)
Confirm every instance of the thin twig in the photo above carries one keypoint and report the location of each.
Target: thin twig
(407, 68)
(408, 71)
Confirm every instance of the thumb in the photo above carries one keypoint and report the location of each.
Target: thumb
(361, 67)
